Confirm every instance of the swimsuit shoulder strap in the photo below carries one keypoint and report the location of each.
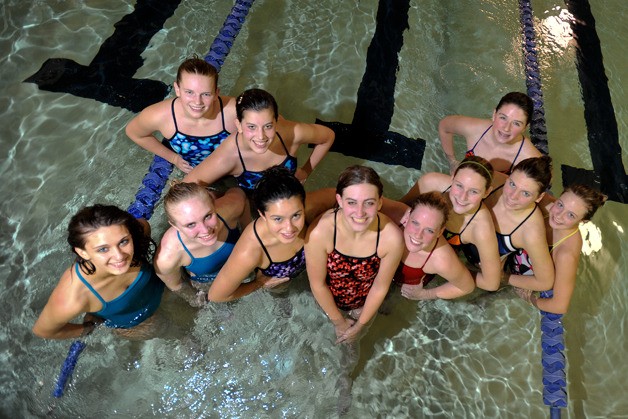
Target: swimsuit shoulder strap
(185, 247)
(469, 222)
(481, 136)
(517, 155)
(174, 118)
(88, 285)
(283, 144)
(260, 241)
(335, 213)
(559, 242)
(240, 154)
(430, 255)
(377, 241)
(525, 219)
(495, 190)
(222, 114)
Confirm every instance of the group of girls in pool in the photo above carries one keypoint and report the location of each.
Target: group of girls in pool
(352, 241)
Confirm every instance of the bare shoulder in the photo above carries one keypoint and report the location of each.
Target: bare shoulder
(322, 226)
(434, 181)
(528, 150)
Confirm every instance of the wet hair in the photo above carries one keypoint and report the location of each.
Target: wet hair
(183, 191)
(196, 65)
(256, 100)
(521, 100)
(433, 200)
(277, 183)
(537, 168)
(357, 175)
(90, 219)
(479, 165)
(593, 199)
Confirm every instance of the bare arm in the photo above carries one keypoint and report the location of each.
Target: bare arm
(168, 260)
(221, 162)
(322, 138)
(485, 241)
(455, 125)
(394, 246)
(446, 264)
(566, 264)
(54, 320)
(245, 257)
(316, 261)
(141, 131)
(535, 244)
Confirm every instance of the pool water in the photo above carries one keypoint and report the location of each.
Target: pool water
(266, 356)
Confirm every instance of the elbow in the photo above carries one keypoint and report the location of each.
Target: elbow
(41, 333)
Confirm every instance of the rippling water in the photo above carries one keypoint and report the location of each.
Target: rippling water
(271, 357)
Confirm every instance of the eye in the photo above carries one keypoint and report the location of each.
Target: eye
(502, 117)
(269, 126)
(369, 203)
(209, 216)
(277, 219)
(511, 183)
(351, 203)
(296, 216)
(207, 94)
(251, 127)
(526, 194)
(191, 225)
(102, 250)
(517, 124)
(572, 215)
(188, 92)
(474, 192)
(559, 204)
(429, 231)
(124, 242)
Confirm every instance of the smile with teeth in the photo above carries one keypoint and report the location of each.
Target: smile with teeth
(119, 265)
(360, 220)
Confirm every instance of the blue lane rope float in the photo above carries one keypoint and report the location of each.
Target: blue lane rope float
(552, 336)
(230, 29)
(68, 367)
(160, 169)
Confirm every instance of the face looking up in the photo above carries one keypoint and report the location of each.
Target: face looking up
(567, 211)
(197, 93)
(196, 219)
(509, 122)
(285, 218)
(109, 248)
(257, 129)
(468, 188)
(359, 205)
(520, 191)
(422, 226)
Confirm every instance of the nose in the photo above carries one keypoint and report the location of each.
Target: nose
(289, 226)
(117, 253)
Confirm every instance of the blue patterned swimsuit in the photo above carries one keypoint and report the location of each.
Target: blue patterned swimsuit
(248, 179)
(195, 149)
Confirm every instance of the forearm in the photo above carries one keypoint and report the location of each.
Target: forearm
(152, 144)
(69, 331)
(320, 150)
(372, 304)
(242, 290)
(530, 282)
(325, 300)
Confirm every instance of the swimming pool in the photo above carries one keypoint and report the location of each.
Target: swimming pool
(474, 358)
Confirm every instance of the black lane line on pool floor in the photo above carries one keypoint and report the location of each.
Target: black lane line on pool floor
(109, 79)
(608, 171)
(367, 136)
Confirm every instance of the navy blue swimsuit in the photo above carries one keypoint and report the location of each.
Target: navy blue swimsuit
(290, 268)
(194, 149)
(248, 179)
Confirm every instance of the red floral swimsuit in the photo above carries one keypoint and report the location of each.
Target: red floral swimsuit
(350, 278)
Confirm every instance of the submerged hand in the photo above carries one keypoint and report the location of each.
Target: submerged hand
(417, 292)
(351, 334)
(271, 282)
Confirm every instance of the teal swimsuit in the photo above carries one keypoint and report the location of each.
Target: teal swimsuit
(206, 268)
(136, 304)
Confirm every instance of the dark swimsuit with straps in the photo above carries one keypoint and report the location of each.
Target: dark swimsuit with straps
(471, 152)
(290, 268)
(350, 278)
(248, 179)
(469, 250)
(194, 149)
